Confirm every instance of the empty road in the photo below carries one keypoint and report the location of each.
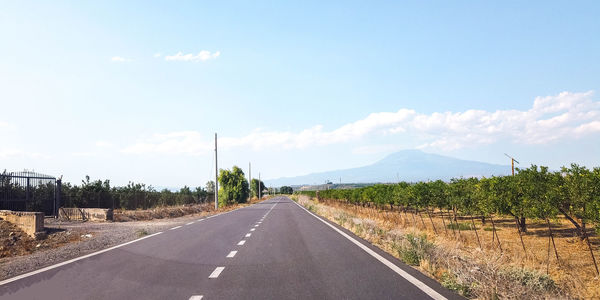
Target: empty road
(271, 250)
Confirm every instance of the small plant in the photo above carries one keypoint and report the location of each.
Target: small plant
(489, 228)
(532, 279)
(449, 281)
(414, 248)
(142, 232)
(460, 226)
(342, 218)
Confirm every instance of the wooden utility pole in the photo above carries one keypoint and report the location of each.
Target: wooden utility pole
(250, 180)
(512, 163)
(216, 176)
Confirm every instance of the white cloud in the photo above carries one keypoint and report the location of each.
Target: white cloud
(104, 144)
(203, 55)
(6, 126)
(182, 142)
(157, 55)
(553, 118)
(120, 59)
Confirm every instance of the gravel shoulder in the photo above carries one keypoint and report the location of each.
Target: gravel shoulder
(81, 238)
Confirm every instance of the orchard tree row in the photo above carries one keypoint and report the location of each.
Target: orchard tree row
(534, 192)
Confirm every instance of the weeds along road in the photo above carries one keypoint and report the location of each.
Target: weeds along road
(271, 250)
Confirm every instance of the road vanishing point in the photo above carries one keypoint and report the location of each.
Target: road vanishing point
(275, 249)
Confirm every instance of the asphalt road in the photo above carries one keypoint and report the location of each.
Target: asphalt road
(283, 252)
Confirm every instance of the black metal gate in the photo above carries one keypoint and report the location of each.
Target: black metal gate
(29, 191)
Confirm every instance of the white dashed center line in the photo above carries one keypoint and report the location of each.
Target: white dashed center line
(190, 223)
(216, 272)
(248, 234)
(252, 229)
(241, 242)
(176, 227)
(256, 225)
(232, 254)
(196, 297)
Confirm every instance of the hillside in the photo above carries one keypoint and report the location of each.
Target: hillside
(407, 165)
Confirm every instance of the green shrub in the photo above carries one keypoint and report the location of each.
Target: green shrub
(414, 248)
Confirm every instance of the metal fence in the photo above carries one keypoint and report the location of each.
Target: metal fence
(29, 191)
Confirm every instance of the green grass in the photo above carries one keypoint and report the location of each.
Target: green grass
(460, 226)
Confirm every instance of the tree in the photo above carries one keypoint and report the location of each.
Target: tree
(286, 190)
(233, 186)
(210, 186)
(579, 192)
(254, 187)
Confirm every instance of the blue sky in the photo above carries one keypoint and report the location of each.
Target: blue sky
(135, 90)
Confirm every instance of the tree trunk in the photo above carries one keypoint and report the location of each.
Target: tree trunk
(494, 232)
(523, 225)
(451, 224)
(422, 222)
(579, 231)
(587, 238)
(443, 222)
(477, 235)
(430, 219)
(552, 237)
(520, 235)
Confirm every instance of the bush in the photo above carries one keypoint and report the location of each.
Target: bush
(414, 248)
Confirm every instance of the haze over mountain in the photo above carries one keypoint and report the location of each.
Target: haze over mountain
(406, 165)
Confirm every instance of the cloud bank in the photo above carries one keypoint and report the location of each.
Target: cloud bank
(552, 118)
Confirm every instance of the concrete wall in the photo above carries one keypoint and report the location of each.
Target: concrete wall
(85, 214)
(31, 223)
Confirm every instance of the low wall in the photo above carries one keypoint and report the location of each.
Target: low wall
(31, 223)
(85, 214)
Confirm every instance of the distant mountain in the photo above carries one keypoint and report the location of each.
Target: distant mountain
(407, 165)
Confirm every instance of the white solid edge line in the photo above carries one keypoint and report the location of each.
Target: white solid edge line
(196, 297)
(242, 242)
(18, 277)
(216, 272)
(416, 282)
(73, 260)
(190, 223)
(232, 254)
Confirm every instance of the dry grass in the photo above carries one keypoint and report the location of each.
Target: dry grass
(457, 260)
(204, 209)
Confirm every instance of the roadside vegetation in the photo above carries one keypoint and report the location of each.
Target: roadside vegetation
(537, 228)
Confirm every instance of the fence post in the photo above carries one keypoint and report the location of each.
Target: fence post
(57, 198)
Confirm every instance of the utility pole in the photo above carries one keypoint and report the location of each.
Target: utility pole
(216, 176)
(259, 187)
(250, 179)
(512, 163)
